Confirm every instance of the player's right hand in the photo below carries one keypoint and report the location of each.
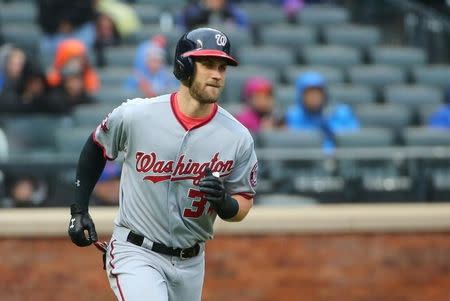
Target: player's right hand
(79, 222)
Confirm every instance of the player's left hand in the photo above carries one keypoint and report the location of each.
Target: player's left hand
(212, 187)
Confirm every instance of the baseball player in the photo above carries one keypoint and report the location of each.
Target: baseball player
(186, 160)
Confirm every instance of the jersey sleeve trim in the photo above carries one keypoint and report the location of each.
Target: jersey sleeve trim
(98, 143)
(245, 195)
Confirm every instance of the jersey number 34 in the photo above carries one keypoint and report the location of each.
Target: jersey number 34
(198, 204)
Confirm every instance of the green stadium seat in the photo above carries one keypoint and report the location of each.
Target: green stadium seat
(264, 14)
(277, 58)
(115, 76)
(403, 57)
(424, 136)
(236, 78)
(365, 137)
(332, 75)
(413, 95)
(393, 117)
(353, 35)
(322, 15)
(294, 37)
(335, 56)
(437, 75)
(120, 56)
(351, 94)
(376, 76)
(90, 116)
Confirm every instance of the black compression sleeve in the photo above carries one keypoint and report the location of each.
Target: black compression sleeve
(89, 169)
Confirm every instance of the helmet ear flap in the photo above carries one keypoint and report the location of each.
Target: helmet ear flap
(183, 68)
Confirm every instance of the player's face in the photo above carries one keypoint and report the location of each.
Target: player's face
(209, 79)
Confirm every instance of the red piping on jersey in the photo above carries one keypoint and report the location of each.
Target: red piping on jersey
(101, 146)
(173, 98)
(114, 274)
(247, 196)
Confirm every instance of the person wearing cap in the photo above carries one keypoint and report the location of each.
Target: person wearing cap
(71, 90)
(151, 75)
(312, 112)
(187, 162)
(258, 113)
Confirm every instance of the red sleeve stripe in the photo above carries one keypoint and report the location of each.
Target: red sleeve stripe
(101, 146)
(248, 196)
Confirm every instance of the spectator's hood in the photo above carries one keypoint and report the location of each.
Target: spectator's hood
(310, 79)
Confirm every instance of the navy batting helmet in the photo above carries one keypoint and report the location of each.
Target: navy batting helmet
(200, 42)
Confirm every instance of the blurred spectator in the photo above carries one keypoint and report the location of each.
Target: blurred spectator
(31, 91)
(211, 13)
(441, 118)
(311, 112)
(106, 191)
(71, 91)
(26, 192)
(115, 21)
(258, 114)
(61, 19)
(68, 51)
(151, 75)
(12, 61)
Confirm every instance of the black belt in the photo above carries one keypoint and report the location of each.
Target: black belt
(163, 249)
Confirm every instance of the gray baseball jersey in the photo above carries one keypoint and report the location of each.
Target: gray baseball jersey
(163, 163)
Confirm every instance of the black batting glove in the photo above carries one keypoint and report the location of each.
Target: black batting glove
(212, 187)
(80, 221)
(215, 193)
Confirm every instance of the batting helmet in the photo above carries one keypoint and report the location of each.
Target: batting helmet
(200, 42)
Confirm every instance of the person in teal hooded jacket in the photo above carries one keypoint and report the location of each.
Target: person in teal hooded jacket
(311, 110)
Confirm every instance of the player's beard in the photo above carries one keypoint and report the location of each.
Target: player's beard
(199, 92)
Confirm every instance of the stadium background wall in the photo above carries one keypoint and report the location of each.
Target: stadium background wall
(312, 253)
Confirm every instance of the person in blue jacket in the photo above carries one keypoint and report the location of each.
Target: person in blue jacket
(441, 118)
(311, 112)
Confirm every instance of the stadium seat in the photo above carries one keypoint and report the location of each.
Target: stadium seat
(335, 56)
(321, 15)
(166, 4)
(425, 112)
(392, 117)
(114, 95)
(284, 97)
(26, 36)
(115, 76)
(424, 136)
(284, 200)
(71, 141)
(90, 115)
(263, 14)
(436, 75)
(413, 95)
(332, 75)
(236, 78)
(120, 56)
(290, 139)
(28, 134)
(352, 95)
(294, 37)
(376, 179)
(4, 147)
(403, 57)
(149, 31)
(365, 137)
(376, 76)
(147, 13)
(17, 13)
(353, 35)
(277, 58)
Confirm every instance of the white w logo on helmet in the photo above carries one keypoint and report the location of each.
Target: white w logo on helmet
(221, 40)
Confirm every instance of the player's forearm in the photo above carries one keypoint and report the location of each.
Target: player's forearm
(244, 208)
(89, 169)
